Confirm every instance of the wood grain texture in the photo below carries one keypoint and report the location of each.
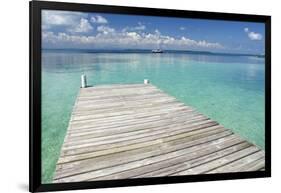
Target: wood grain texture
(136, 130)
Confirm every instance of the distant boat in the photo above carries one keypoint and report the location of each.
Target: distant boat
(157, 51)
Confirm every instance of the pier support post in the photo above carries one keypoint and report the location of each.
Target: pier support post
(83, 81)
(146, 81)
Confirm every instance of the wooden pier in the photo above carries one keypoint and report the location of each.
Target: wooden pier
(137, 130)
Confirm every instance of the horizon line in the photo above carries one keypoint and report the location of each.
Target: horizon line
(167, 50)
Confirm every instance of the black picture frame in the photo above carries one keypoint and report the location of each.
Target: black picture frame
(35, 184)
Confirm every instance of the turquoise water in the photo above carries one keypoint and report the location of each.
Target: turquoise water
(228, 89)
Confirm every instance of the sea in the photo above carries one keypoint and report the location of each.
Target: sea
(229, 88)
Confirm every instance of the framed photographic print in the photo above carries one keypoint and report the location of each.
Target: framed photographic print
(125, 96)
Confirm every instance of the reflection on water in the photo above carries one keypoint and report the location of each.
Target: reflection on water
(252, 72)
(77, 62)
(72, 62)
(228, 89)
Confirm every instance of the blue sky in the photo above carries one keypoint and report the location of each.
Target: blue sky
(64, 29)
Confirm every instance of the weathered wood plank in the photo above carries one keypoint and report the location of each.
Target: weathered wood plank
(110, 113)
(166, 171)
(100, 150)
(249, 163)
(141, 153)
(136, 130)
(138, 163)
(126, 104)
(148, 130)
(181, 161)
(183, 120)
(205, 168)
(139, 118)
(84, 123)
(122, 129)
(142, 140)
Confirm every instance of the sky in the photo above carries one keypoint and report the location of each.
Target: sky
(81, 30)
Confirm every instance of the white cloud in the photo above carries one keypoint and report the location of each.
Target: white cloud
(105, 29)
(76, 25)
(109, 37)
(99, 19)
(253, 35)
(139, 27)
(60, 18)
(157, 32)
(182, 28)
(83, 27)
(73, 22)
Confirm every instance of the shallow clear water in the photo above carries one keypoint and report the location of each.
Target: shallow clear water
(228, 89)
